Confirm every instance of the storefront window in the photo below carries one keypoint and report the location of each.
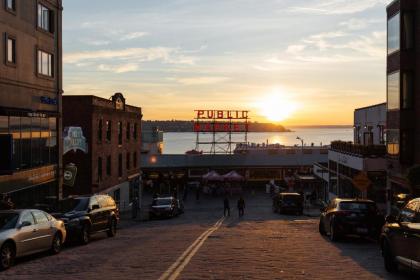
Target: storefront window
(45, 137)
(26, 142)
(394, 34)
(36, 142)
(393, 141)
(14, 126)
(4, 124)
(393, 91)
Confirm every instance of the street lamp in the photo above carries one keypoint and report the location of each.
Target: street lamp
(301, 140)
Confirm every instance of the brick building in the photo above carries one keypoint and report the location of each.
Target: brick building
(30, 100)
(107, 155)
(403, 92)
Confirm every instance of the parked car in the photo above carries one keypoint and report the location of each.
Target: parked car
(165, 207)
(400, 238)
(288, 203)
(86, 215)
(350, 216)
(26, 232)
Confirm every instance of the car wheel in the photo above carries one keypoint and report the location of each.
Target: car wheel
(85, 235)
(390, 263)
(333, 233)
(112, 231)
(56, 244)
(7, 255)
(321, 228)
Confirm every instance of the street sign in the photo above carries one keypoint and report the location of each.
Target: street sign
(69, 175)
(361, 181)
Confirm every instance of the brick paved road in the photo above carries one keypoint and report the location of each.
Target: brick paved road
(262, 245)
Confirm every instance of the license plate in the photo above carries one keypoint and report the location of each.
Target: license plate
(361, 230)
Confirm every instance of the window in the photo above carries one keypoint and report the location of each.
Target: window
(408, 31)
(40, 217)
(128, 161)
(11, 5)
(393, 91)
(407, 90)
(394, 34)
(135, 132)
(108, 165)
(393, 141)
(128, 131)
(120, 133)
(120, 167)
(10, 50)
(45, 64)
(108, 131)
(99, 169)
(100, 126)
(27, 217)
(135, 159)
(15, 130)
(45, 18)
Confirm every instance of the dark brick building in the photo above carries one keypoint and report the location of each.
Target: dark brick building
(110, 162)
(403, 91)
(30, 100)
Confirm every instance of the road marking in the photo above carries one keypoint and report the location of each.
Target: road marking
(178, 266)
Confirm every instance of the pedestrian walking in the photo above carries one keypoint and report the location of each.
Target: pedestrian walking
(241, 206)
(134, 207)
(226, 207)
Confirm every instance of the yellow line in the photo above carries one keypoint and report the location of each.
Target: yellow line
(176, 268)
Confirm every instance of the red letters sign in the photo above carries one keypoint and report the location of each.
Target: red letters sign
(221, 115)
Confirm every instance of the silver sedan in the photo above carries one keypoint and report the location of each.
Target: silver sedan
(26, 232)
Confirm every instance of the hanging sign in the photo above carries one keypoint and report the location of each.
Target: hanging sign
(74, 140)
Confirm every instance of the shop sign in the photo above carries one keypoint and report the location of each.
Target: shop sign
(74, 140)
(69, 174)
(221, 114)
(48, 100)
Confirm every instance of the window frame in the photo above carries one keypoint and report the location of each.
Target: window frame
(100, 128)
(120, 165)
(8, 37)
(108, 126)
(120, 132)
(398, 14)
(399, 91)
(10, 10)
(100, 169)
(39, 63)
(108, 166)
(51, 18)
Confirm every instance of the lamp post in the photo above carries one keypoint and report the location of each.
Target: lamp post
(301, 140)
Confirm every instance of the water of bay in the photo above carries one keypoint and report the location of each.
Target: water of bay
(180, 142)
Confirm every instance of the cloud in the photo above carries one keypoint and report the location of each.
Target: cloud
(358, 23)
(192, 81)
(133, 35)
(134, 55)
(331, 7)
(124, 68)
(96, 42)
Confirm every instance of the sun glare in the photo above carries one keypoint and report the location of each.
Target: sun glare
(277, 106)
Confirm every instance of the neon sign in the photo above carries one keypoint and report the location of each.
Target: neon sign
(221, 115)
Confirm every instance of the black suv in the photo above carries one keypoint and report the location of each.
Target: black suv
(288, 203)
(85, 215)
(400, 238)
(350, 216)
(165, 207)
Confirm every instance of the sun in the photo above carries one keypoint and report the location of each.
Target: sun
(277, 106)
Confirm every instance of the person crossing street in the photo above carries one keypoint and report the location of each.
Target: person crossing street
(241, 206)
(226, 204)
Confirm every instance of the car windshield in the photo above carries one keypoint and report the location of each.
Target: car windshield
(159, 202)
(357, 206)
(73, 204)
(8, 220)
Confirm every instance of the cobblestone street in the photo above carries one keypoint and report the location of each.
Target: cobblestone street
(262, 245)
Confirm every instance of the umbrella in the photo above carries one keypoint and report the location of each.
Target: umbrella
(213, 176)
(233, 176)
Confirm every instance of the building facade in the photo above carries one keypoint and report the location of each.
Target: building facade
(30, 100)
(359, 168)
(103, 141)
(403, 92)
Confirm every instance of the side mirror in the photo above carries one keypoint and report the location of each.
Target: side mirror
(24, 224)
(95, 206)
(391, 219)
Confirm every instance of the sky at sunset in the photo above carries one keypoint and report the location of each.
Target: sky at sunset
(296, 62)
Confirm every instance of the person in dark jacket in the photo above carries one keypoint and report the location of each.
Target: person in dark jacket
(241, 206)
(226, 207)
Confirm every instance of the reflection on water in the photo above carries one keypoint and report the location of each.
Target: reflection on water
(180, 142)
